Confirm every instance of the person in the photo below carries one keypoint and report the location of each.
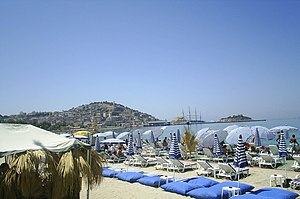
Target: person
(294, 143)
(293, 140)
(165, 142)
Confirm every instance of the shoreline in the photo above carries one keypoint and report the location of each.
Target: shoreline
(205, 122)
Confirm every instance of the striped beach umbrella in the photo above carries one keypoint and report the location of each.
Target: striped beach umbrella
(257, 141)
(240, 160)
(282, 145)
(178, 136)
(282, 150)
(91, 140)
(139, 142)
(113, 134)
(217, 148)
(152, 139)
(174, 149)
(97, 144)
(240, 154)
(129, 150)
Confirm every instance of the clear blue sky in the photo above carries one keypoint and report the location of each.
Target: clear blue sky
(220, 57)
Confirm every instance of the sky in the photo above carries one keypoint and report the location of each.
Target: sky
(160, 57)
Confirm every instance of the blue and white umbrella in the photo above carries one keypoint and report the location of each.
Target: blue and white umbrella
(91, 140)
(97, 144)
(240, 160)
(174, 149)
(282, 149)
(129, 150)
(152, 139)
(257, 141)
(178, 136)
(217, 150)
(282, 146)
(139, 142)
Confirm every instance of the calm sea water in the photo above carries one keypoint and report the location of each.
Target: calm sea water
(219, 126)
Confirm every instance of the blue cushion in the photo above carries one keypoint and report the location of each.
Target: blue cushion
(129, 176)
(276, 193)
(154, 181)
(109, 173)
(215, 191)
(244, 187)
(203, 193)
(202, 181)
(179, 187)
(249, 196)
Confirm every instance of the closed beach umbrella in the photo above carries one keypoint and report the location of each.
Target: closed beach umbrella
(152, 139)
(174, 152)
(282, 146)
(97, 144)
(240, 160)
(233, 136)
(257, 141)
(282, 150)
(230, 128)
(174, 149)
(91, 140)
(113, 134)
(217, 150)
(139, 142)
(129, 150)
(178, 136)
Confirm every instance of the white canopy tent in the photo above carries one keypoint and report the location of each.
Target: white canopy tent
(16, 138)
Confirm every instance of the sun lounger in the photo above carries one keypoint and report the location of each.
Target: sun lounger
(296, 164)
(161, 163)
(204, 168)
(181, 166)
(267, 159)
(274, 150)
(129, 160)
(228, 171)
(116, 159)
(143, 162)
(208, 155)
(252, 161)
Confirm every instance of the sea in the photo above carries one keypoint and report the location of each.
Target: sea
(194, 128)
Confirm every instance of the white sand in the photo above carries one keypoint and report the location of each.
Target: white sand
(114, 188)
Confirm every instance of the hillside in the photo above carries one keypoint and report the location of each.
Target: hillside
(93, 116)
(236, 118)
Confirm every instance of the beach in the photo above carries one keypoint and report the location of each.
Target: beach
(114, 188)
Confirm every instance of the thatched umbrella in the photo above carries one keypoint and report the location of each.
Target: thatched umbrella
(41, 174)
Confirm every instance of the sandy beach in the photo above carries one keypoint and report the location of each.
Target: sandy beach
(114, 188)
